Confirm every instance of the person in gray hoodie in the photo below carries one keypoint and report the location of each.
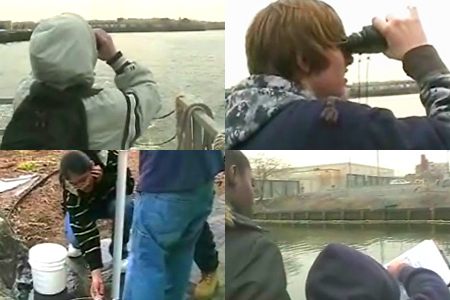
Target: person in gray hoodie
(64, 50)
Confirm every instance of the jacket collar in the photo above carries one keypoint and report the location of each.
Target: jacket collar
(255, 101)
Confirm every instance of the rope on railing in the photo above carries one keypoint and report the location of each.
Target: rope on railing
(219, 142)
(184, 131)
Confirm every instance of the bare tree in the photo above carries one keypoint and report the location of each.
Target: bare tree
(264, 168)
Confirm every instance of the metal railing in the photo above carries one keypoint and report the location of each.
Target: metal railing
(199, 130)
(5, 101)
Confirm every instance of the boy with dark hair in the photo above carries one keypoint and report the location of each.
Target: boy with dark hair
(89, 182)
(254, 268)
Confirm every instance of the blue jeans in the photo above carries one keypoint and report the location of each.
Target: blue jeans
(101, 211)
(166, 227)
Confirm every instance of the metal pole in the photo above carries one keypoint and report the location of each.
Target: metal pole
(378, 167)
(367, 80)
(118, 225)
(349, 170)
(448, 165)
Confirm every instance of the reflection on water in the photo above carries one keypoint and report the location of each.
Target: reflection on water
(300, 244)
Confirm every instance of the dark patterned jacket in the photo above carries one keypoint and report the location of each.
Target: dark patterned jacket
(269, 112)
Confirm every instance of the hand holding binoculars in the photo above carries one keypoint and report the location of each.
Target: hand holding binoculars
(368, 40)
(399, 35)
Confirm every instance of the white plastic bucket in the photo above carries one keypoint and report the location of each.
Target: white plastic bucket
(47, 263)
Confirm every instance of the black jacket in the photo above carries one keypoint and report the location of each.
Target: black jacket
(271, 113)
(254, 268)
(49, 119)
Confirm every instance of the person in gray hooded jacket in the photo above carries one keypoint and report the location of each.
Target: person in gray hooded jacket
(63, 53)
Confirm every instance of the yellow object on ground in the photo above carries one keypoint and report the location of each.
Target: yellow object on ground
(207, 286)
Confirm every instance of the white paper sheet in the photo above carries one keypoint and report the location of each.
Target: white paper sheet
(427, 255)
(7, 184)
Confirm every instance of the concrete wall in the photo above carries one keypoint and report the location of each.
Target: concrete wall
(415, 214)
(343, 168)
(355, 181)
(278, 188)
(6, 25)
(336, 176)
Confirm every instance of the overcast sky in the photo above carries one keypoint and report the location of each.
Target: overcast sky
(403, 162)
(211, 10)
(355, 14)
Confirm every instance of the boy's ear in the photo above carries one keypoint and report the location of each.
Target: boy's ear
(231, 177)
(303, 65)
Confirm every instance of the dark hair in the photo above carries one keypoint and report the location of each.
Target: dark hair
(74, 163)
(237, 158)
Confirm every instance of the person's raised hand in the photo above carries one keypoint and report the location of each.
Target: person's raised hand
(105, 45)
(97, 172)
(402, 34)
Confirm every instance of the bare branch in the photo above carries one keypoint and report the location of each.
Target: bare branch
(265, 168)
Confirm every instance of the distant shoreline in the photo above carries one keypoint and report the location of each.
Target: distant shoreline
(376, 89)
(24, 35)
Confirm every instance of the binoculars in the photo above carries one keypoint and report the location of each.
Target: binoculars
(368, 40)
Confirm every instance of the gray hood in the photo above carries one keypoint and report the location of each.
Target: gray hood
(63, 51)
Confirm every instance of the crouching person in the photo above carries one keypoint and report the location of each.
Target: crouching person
(89, 192)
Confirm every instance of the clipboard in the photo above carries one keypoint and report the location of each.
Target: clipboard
(427, 255)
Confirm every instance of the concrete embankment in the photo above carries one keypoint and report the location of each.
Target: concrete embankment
(437, 215)
(14, 36)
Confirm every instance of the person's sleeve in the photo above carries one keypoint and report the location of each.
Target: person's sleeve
(123, 113)
(140, 91)
(423, 284)
(23, 90)
(424, 65)
(264, 277)
(385, 131)
(85, 230)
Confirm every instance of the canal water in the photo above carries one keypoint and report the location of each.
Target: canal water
(182, 62)
(300, 244)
